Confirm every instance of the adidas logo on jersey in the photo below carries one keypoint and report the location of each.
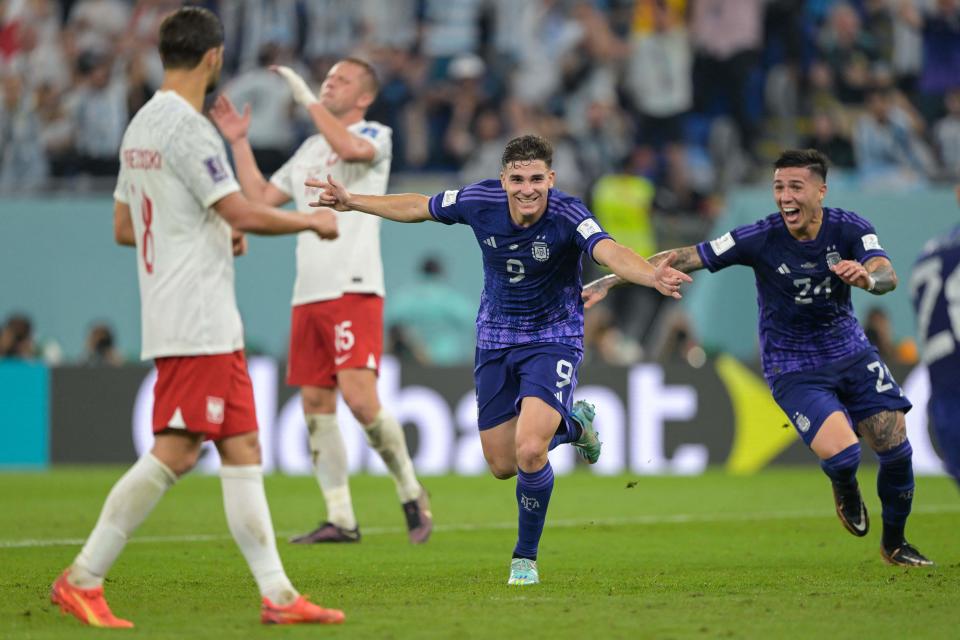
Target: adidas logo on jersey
(783, 268)
(559, 395)
(491, 242)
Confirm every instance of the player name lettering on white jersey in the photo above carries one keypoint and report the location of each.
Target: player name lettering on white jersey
(173, 170)
(327, 269)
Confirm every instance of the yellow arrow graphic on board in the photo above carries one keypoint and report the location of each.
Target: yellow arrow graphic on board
(759, 436)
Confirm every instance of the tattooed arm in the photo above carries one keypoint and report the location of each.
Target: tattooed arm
(687, 259)
(876, 276)
(884, 277)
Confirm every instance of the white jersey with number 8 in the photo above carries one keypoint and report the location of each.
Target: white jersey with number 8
(173, 169)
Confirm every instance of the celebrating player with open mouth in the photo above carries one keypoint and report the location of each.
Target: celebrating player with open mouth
(823, 371)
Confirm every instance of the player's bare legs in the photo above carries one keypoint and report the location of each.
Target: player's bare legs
(886, 433)
(384, 435)
(179, 450)
(838, 448)
(499, 446)
(835, 435)
(536, 427)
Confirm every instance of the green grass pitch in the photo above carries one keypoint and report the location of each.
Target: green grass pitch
(712, 556)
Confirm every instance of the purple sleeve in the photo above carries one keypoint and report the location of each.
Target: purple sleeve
(445, 207)
(587, 231)
(735, 247)
(862, 238)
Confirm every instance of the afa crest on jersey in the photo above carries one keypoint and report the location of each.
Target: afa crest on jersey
(541, 251)
(833, 258)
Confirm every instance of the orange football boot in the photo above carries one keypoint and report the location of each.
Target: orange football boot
(302, 611)
(86, 605)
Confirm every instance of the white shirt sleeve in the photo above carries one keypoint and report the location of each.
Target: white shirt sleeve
(120, 192)
(199, 159)
(381, 137)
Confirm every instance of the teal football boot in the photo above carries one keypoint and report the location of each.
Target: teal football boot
(588, 445)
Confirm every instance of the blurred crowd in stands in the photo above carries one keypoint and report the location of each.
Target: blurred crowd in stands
(655, 107)
(688, 96)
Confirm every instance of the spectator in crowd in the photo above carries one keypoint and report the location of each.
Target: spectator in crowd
(55, 130)
(435, 317)
(95, 25)
(272, 108)
(726, 37)
(879, 331)
(487, 138)
(940, 29)
(829, 136)
(597, 77)
(604, 342)
(100, 349)
(658, 77)
(98, 111)
(888, 142)
(23, 162)
(847, 54)
(460, 99)
(946, 135)
(16, 338)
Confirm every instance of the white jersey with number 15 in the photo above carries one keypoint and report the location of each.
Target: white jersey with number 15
(350, 264)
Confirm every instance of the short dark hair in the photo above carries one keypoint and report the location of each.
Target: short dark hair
(186, 35)
(372, 81)
(527, 149)
(811, 159)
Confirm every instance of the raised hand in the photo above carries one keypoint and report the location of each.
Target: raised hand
(298, 86)
(325, 224)
(667, 280)
(231, 124)
(332, 194)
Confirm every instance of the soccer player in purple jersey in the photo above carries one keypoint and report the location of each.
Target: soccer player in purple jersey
(823, 372)
(935, 289)
(530, 322)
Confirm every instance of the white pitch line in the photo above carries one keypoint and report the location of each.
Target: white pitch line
(678, 518)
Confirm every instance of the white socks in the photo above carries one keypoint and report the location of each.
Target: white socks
(330, 468)
(330, 462)
(135, 495)
(385, 435)
(131, 500)
(248, 517)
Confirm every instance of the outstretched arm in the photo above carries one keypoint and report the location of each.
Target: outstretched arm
(877, 276)
(684, 260)
(401, 207)
(631, 267)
